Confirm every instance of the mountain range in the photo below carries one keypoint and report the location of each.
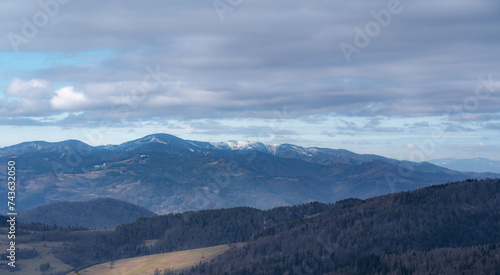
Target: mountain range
(469, 165)
(164, 173)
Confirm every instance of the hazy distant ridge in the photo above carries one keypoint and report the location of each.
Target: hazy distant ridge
(164, 173)
(479, 165)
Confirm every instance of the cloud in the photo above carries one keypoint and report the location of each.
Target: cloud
(211, 127)
(371, 125)
(35, 88)
(328, 134)
(256, 60)
(67, 99)
(492, 126)
(420, 124)
(26, 98)
(454, 127)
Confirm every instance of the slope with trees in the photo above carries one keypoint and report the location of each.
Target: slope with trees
(390, 233)
(98, 213)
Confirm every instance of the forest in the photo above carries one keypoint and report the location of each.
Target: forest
(172, 232)
(451, 228)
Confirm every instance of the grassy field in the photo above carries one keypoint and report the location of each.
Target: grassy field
(32, 266)
(176, 261)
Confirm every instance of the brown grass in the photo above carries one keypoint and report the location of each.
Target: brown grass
(147, 264)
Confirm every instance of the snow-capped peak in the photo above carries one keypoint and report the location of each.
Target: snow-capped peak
(155, 139)
(232, 145)
(239, 145)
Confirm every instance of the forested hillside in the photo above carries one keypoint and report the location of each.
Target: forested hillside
(452, 228)
(174, 232)
(98, 213)
(446, 226)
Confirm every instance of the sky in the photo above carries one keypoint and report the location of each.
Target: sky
(414, 80)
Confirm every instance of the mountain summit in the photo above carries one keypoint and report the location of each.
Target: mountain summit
(165, 173)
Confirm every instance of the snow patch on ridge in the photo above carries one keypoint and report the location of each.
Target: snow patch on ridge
(234, 145)
(155, 139)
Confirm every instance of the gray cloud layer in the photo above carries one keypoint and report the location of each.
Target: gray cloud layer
(264, 55)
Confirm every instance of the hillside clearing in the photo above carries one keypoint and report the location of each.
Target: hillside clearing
(176, 261)
(31, 266)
